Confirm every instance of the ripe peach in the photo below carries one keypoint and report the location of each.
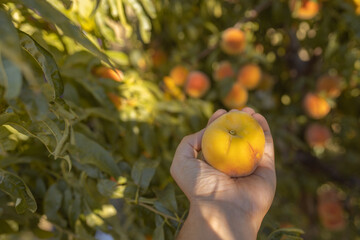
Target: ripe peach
(223, 70)
(332, 215)
(197, 84)
(357, 5)
(330, 85)
(232, 41)
(115, 99)
(316, 106)
(106, 72)
(305, 10)
(330, 210)
(249, 76)
(234, 144)
(317, 135)
(236, 98)
(179, 74)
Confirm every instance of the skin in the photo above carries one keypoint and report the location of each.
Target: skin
(222, 207)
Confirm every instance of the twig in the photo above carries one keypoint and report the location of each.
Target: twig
(158, 212)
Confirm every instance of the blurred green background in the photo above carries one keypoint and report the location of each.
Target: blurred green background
(95, 96)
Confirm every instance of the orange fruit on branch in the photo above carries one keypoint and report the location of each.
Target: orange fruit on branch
(232, 41)
(317, 135)
(330, 85)
(236, 98)
(106, 72)
(197, 84)
(249, 76)
(179, 74)
(223, 70)
(316, 106)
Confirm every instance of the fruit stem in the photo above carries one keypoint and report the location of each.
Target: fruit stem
(232, 132)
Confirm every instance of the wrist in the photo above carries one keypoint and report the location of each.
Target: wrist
(218, 221)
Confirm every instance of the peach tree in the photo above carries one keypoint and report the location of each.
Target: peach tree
(96, 95)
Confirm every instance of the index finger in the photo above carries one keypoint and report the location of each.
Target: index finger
(268, 159)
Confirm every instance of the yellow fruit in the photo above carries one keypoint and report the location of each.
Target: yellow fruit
(234, 144)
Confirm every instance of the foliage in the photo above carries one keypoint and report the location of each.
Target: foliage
(83, 155)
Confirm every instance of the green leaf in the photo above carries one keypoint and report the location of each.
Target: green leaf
(159, 233)
(10, 47)
(45, 61)
(67, 3)
(51, 14)
(149, 7)
(118, 57)
(144, 21)
(96, 6)
(110, 189)
(90, 152)
(15, 187)
(81, 231)
(143, 171)
(5, 227)
(9, 41)
(52, 201)
(74, 209)
(167, 197)
(10, 78)
(290, 233)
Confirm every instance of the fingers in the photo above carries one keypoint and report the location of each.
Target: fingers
(268, 159)
(248, 110)
(216, 114)
(190, 145)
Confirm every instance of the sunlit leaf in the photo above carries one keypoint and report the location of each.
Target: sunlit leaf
(48, 12)
(149, 7)
(144, 21)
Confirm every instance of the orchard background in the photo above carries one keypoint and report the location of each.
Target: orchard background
(96, 95)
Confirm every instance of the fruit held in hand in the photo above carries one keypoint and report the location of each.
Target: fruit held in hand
(234, 144)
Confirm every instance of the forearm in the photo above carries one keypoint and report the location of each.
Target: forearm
(212, 222)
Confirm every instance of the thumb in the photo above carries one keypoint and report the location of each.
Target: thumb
(189, 146)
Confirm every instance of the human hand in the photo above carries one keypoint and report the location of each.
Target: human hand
(216, 198)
